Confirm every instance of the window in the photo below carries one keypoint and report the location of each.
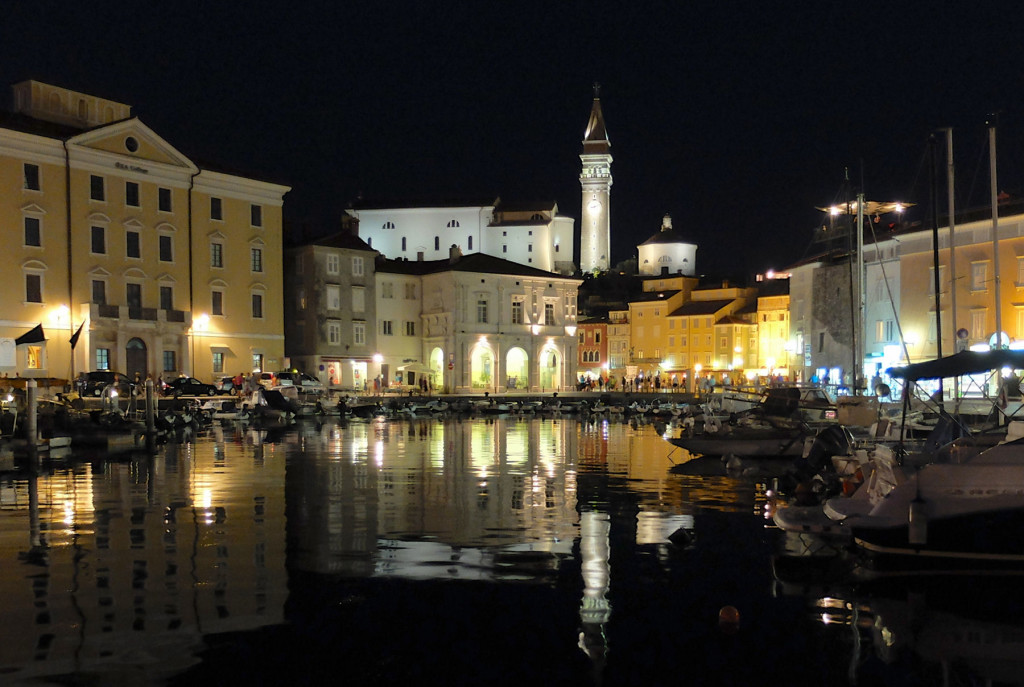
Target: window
(164, 200)
(218, 362)
(357, 266)
(33, 288)
(437, 243)
(334, 332)
(529, 248)
(167, 298)
(99, 240)
(131, 194)
(359, 333)
(410, 329)
(453, 224)
(216, 254)
(410, 291)
(333, 297)
(469, 243)
(166, 248)
(979, 276)
(97, 190)
(257, 306)
(256, 215)
(504, 248)
(358, 299)
(256, 259)
(387, 290)
(481, 311)
(216, 209)
(978, 318)
(549, 313)
(403, 243)
(388, 225)
(333, 263)
(257, 361)
(99, 292)
(582, 337)
(597, 337)
(131, 245)
(387, 327)
(517, 312)
(102, 358)
(300, 299)
(31, 177)
(217, 302)
(33, 236)
(133, 294)
(170, 359)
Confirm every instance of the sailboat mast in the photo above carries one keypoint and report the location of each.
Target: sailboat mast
(858, 331)
(935, 257)
(995, 231)
(951, 214)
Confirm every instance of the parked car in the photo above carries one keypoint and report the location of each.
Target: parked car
(268, 380)
(93, 383)
(190, 386)
(226, 385)
(305, 381)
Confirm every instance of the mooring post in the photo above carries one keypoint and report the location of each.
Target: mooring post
(150, 417)
(31, 423)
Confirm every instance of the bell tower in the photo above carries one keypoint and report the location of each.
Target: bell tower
(596, 184)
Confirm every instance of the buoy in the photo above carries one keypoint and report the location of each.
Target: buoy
(917, 524)
(729, 619)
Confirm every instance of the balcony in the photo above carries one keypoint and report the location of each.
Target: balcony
(103, 311)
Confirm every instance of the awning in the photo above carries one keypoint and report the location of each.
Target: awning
(959, 364)
(34, 335)
(418, 368)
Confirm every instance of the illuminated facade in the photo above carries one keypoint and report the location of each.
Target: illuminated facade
(596, 184)
(331, 310)
(163, 266)
(487, 324)
(531, 234)
(667, 253)
(774, 350)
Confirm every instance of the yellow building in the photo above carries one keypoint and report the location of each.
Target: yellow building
(649, 325)
(159, 266)
(774, 350)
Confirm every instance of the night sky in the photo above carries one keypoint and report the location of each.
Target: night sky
(738, 118)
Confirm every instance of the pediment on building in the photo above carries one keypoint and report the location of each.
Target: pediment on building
(135, 143)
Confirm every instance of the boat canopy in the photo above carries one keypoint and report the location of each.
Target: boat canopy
(959, 364)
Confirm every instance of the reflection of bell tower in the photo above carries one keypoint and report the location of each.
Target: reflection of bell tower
(596, 183)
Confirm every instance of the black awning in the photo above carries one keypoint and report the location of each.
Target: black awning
(963, 363)
(34, 335)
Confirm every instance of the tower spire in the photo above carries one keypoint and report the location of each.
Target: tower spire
(595, 183)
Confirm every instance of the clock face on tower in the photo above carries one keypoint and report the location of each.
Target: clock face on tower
(594, 205)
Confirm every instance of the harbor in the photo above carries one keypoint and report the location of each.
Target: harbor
(505, 549)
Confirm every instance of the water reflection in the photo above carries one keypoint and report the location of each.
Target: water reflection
(384, 551)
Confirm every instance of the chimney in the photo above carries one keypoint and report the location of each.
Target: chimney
(454, 253)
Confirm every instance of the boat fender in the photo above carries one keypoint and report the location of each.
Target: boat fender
(917, 522)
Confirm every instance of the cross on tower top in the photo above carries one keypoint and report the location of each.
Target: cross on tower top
(597, 90)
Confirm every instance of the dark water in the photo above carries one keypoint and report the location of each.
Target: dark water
(460, 553)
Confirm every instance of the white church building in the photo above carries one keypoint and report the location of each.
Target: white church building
(531, 234)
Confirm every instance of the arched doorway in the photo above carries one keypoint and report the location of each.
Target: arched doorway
(481, 370)
(517, 369)
(135, 358)
(550, 369)
(436, 364)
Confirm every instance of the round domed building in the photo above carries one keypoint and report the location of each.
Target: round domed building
(667, 252)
